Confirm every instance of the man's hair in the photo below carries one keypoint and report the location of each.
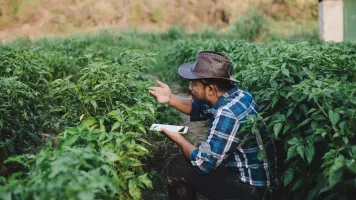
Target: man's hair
(221, 84)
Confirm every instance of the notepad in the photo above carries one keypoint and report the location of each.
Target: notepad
(179, 129)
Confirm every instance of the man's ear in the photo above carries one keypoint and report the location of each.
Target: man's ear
(211, 89)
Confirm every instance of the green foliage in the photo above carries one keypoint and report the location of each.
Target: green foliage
(95, 92)
(94, 89)
(90, 163)
(18, 116)
(101, 88)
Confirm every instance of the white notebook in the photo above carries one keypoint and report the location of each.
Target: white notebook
(179, 129)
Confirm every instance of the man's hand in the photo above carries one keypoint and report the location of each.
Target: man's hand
(186, 146)
(171, 134)
(162, 93)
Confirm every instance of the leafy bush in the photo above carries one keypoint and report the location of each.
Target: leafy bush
(91, 162)
(18, 117)
(101, 88)
(94, 87)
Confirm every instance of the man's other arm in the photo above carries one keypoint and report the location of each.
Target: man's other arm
(182, 104)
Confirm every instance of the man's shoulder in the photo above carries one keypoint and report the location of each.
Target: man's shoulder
(238, 102)
(238, 97)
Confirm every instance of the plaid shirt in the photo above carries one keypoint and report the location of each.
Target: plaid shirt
(228, 146)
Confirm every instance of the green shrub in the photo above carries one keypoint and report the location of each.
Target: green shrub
(18, 117)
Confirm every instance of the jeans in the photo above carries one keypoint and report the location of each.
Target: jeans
(222, 183)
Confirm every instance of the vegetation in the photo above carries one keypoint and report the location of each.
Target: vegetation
(36, 18)
(88, 95)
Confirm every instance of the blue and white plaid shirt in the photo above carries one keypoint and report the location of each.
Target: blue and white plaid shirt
(228, 146)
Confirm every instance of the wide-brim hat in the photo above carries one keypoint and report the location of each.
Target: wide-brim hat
(208, 64)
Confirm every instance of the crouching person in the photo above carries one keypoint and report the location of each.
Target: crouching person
(226, 164)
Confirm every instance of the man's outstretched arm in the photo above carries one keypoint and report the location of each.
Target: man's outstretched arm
(163, 94)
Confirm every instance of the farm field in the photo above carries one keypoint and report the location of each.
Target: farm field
(75, 112)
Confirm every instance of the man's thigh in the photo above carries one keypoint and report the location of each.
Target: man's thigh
(222, 183)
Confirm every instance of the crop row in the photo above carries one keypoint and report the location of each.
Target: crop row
(94, 101)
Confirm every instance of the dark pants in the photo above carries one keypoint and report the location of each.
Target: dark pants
(222, 183)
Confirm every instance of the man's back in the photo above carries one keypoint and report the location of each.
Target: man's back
(226, 144)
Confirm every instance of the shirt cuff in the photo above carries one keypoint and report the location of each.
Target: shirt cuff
(193, 155)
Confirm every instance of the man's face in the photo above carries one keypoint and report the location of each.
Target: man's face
(198, 91)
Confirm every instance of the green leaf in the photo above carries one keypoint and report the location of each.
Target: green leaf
(304, 109)
(304, 122)
(297, 184)
(334, 117)
(276, 128)
(336, 171)
(86, 195)
(342, 125)
(293, 141)
(312, 110)
(81, 117)
(113, 158)
(25, 116)
(281, 117)
(291, 152)
(134, 191)
(346, 140)
(115, 126)
(286, 128)
(132, 162)
(275, 100)
(93, 103)
(312, 194)
(300, 150)
(351, 165)
(128, 174)
(153, 60)
(101, 123)
(285, 72)
(288, 176)
(134, 121)
(309, 153)
(308, 72)
(89, 122)
(145, 180)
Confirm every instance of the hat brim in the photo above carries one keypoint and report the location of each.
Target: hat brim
(186, 72)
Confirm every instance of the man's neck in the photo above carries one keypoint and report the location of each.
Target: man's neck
(214, 99)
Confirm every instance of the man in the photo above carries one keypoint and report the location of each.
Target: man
(226, 164)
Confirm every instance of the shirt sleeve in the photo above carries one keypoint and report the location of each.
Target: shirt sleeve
(198, 111)
(221, 140)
